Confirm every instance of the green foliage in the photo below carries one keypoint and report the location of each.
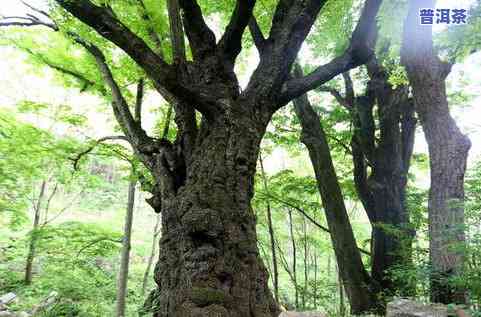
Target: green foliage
(462, 40)
(336, 23)
(69, 256)
(24, 154)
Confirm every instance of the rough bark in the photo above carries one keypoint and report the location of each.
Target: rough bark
(357, 281)
(34, 234)
(209, 263)
(448, 151)
(125, 253)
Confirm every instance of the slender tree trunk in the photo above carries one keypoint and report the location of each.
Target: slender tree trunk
(275, 278)
(314, 291)
(294, 259)
(34, 235)
(152, 254)
(358, 282)
(306, 265)
(329, 266)
(125, 253)
(448, 151)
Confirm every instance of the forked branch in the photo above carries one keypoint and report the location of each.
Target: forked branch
(231, 42)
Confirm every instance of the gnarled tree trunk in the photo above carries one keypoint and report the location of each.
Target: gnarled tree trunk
(209, 263)
(448, 151)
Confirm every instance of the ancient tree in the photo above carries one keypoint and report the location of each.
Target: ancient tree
(209, 264)
(448, 151)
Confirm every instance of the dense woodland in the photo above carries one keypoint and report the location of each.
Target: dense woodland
(237, 158)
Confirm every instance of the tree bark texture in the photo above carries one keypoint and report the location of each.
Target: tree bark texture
(448, 151)
(209, 262)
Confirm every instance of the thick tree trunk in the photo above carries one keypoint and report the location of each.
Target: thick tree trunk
(34, 235)
(209, 263)
(357, 281)
(125, 253)
(448, 151)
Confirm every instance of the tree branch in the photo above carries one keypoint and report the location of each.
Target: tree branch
(76, 159)
(103, 21)
(132, 129)
(150, 28)
(80, 77)
(95, 241)
(360, 180)
(64, 209)
(138, 102)
(299, 209)
(349, 88)
(35, 9)
(231, 42)
(26, 21)
(359, 52)
(176, 31)
(336, 94)
(256, 34)
(201, 37)
(291, 24)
